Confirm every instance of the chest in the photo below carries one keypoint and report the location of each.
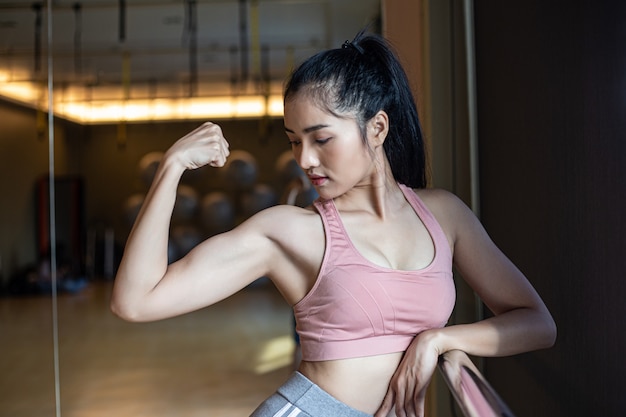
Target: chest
(400, 242)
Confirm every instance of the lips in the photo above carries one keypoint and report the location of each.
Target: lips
(317, 180)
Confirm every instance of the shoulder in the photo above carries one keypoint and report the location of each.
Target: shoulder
(442, 203)
(284, 222)
(450, 211)
(436, 196)
(285, 214)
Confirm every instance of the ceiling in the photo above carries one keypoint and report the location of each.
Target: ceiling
(112, 49)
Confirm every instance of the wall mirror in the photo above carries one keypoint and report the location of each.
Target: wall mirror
(91, 92)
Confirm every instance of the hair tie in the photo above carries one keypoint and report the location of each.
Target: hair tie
(349, 44)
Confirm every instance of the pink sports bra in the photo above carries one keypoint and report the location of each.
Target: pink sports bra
(357, 308)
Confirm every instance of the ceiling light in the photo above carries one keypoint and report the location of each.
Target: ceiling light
(104, 111)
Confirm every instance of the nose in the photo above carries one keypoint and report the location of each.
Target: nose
(306, 156)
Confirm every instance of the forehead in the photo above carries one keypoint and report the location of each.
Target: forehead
(304, 119)
(303, 104)
(306, 108)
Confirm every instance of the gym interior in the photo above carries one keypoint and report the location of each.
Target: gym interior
(523, 105)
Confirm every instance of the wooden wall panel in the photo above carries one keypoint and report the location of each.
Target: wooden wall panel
(552, 133)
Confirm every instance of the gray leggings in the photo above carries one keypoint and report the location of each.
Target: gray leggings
(299, 397)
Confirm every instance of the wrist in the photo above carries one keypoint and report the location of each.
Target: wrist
(172, 163)
(435, 339)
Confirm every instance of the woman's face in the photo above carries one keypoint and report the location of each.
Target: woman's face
(329, 149)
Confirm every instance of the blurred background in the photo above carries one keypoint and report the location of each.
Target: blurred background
(523, 105)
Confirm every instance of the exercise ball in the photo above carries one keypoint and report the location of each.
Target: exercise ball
(217, 213)
(240, 170)
(287, 168)
(186, 204)
(306, 196)
(148, 165)
(132, 205)
(259, 198)
(184, 239)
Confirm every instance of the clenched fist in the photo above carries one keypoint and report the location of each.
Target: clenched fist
(204, 146)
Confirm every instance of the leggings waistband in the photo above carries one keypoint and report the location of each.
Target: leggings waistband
(313, 400)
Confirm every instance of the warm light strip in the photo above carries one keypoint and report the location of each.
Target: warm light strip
(137, 110)
(25, 92)
(110, 111)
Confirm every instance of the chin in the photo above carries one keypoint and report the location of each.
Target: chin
(326, 194)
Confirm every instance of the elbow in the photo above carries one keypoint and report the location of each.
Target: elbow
(120, 311)
(118, 307)
(124, 312)
(126, 305)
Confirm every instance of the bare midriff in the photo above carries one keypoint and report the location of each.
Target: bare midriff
(360, 383)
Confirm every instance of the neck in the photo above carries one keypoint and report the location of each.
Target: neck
(378, 194)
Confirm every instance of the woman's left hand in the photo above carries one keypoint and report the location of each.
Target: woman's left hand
(407, 388)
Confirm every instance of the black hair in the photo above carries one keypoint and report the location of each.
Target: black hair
(363, 77)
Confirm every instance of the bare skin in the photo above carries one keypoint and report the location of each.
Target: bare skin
(287, 244)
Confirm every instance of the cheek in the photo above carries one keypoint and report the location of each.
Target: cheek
(357, 155)
(349, 163)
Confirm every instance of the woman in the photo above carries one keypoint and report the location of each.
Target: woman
(368, 268)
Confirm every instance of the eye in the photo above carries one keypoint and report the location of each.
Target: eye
(294, 143)
(322, 141)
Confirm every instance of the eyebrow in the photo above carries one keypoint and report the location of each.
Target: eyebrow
(308, 129)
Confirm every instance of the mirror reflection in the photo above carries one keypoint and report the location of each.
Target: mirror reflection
(129, 79)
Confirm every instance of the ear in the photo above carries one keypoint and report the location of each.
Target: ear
(378, 128)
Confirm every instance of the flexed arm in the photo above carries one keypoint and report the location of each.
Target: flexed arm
(145, 263)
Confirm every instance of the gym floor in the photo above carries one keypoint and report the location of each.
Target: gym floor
(221, 361)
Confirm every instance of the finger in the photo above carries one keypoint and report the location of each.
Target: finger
(209, 132)
(420, 400)
(218, 161)
(409, 398)
(399, 403)
(217, 153)
(204, 127)
(225, 150)
(219, 145)
(386, 405)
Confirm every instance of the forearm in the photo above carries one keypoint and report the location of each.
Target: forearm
(145, 258)
(516, 331)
